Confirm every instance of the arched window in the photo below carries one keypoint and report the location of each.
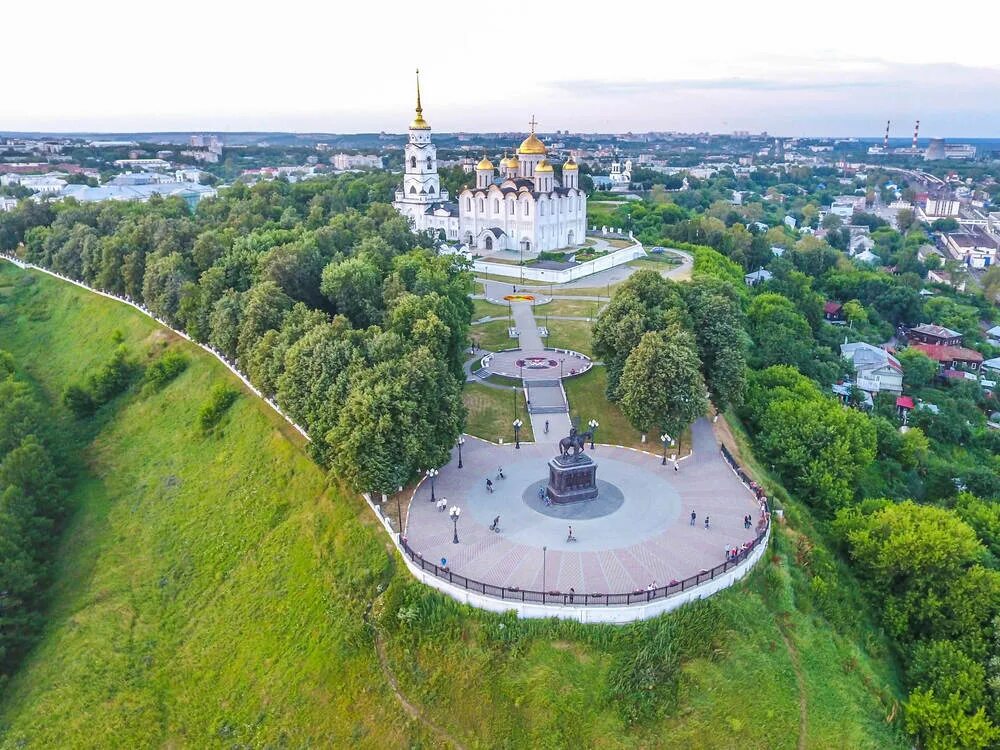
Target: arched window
(526, 209)
(482, 205)
(496, 206)
(431, 190)
(429, 163)
(468, 204)
(511, 208)
(541, 209)
(413, 190)
(413, 162)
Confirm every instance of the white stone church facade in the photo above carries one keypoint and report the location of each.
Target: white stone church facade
(523, 209)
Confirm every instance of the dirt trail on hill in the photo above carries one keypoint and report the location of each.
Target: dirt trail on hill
(408, 706)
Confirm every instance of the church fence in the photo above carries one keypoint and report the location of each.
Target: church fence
(552, 276)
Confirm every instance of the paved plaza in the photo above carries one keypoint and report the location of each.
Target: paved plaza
(636, 532)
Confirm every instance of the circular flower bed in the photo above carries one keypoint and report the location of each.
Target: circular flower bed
(520, 298)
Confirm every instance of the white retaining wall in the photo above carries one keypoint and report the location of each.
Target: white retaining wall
(550, 276)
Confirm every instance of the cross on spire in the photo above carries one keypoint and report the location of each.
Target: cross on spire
(532, 123)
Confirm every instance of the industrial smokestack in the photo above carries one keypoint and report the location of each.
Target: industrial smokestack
(916, 130)
(885, 143)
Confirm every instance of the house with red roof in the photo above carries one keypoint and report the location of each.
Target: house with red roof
(951, 357)
(833, 311)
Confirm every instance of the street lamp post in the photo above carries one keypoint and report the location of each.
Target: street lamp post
(544, 548)
(455, 512)
(561, 360)
(399, 511)
(664, 438)
(593, 424)
(431, 473)
(515, 401)
(517, 433)
(461, 442)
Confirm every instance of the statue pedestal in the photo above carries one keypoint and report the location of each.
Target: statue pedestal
(572, 480)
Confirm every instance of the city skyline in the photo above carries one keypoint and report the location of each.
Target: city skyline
(348, 70)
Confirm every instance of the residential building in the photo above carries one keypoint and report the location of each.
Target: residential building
(875, 369)
(757, 277)
(833, 311)
(941, 207)
(951, 357)
(974, 247)
(344, 162)
(928, 333)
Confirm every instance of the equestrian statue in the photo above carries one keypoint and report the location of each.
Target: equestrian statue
(575, 443)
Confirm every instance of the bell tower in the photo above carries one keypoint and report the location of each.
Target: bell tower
(421, 184)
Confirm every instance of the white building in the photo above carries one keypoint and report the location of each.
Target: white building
(7, 204)
(525, 209)
(621, 173)
(344, 162)
(874, 368)
(937, 207)
(45, 184)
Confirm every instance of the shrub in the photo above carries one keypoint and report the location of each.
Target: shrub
(165, 369)
(78, 400)
(221, 398)
(112, 378)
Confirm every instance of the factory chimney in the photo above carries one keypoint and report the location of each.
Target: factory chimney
(916, 129)
(885, 142)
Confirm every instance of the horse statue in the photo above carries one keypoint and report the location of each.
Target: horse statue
(575, 443)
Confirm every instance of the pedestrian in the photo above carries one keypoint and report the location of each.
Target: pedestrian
(546, 427)
(444, 562)
(489, 485)
(649, 591)
(572, 593)
(500, 473)
(728, 553)
(675, 465)
(706, 523)
(694, 517)
(495, 526)
(569, 536)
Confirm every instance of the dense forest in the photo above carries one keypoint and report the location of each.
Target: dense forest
(33, 482)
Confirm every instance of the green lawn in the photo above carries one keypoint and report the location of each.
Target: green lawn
(492, 336)
(587, 401)
(484, 309)
(211, 592)
(492, 412)
(570, 307)
(570, 334)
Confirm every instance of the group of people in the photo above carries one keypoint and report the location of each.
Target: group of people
(694, 520)
(489, 482)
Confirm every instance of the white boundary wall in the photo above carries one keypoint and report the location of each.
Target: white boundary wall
(550, 276)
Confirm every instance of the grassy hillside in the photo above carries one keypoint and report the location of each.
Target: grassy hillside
(217, 592)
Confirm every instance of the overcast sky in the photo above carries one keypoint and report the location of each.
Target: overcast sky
(790, 68)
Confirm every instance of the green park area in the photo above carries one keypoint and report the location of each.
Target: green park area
(492, 411)
(570, 334)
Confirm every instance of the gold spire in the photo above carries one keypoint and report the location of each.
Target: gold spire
(419, 123)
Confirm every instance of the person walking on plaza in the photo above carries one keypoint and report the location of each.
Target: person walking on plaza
(569, 536)
(676, 469)
(706, 523)
(694, 517)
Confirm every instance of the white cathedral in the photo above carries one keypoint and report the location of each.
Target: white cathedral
(523, 209)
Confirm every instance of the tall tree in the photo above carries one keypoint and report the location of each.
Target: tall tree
(661, 384)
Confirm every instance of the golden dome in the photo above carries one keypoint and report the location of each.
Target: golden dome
(543, 166)
(570, 164)
(531, 145)
(510, 162)
(485, 164)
